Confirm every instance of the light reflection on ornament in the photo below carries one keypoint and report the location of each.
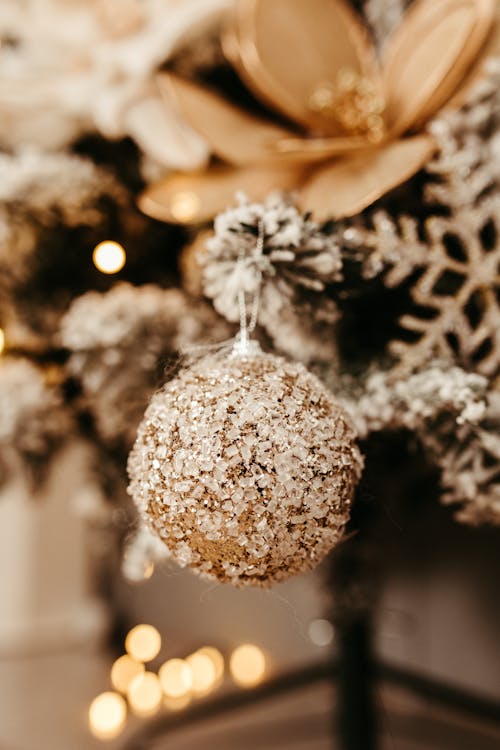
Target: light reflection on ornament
(124, 670)
(144, 694)
(247, 665)
(143, 643)
(107, 715)
(176, 678)
(184, 206)
(203, 673)
(109, 257)
(321, 632)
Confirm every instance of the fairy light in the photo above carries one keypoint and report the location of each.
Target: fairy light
(109, 257)
(145, 694)
(143, 643)
(107, 715)
(2, 340)
(321, 632)
(216, 658)
(203, 673)
(176, 678)
(247, 665)
(124, 670)
(184, 206)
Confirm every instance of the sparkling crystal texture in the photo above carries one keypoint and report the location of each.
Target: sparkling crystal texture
(245, 466)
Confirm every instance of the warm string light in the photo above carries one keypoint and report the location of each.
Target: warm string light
(247, 665)
(145, 694)
(109, 257)
(184, 206)
(178, 680)
(107, 715)
(216, 658)
(124, 671)
(203, 673)
(143, 643)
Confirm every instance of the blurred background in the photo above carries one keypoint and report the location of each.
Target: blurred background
(103, 643)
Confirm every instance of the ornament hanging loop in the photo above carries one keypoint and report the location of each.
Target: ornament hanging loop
(243, 344)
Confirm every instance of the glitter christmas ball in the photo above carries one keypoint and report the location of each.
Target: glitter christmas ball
(245, 466)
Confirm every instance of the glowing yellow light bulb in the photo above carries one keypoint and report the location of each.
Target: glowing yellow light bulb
(2, 340)
(216, 658)
(321, 632)
(247, 665)
(144, 694)
(184, 206)
(107, 715)
(176, 678)
(143, 643)
(109, 257)
(123, 671)
(203, 673)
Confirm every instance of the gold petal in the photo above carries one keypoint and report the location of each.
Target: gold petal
(163, 136)
(316, 149)
(428, 56)
(490, 49)
(285, 49)
(347, 186)
(196, 197)
(233, 134)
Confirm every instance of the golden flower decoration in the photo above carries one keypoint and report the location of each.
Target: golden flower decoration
(350, 125)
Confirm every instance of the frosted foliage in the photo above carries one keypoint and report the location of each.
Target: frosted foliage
(33, 420)
(246, 467)
(69, 67)
(385, 403)
(456, 418)
(142, 551)
(469, 459)
(456, 253)
(298, 260)
(121, 342)
(38, 189)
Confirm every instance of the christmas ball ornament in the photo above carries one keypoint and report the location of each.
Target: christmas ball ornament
(245, 466)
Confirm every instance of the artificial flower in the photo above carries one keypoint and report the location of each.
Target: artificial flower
(350, 125)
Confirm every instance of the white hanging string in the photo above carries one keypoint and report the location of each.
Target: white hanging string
(241, 344)
(248, 324)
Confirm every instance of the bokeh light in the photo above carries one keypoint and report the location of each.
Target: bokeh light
(107, 715)
(321, 632)
(203, 673)
(124, 670)
(184, 206)
(176, 678)
(216, 658)
(109, 257)
(247, 665)
(143, 643)
(2, 340)
(145, 694)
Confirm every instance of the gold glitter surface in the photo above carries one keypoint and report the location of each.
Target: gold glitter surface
(246, 468)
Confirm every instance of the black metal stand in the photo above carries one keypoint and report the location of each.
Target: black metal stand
(446, 696)
(354, 679)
